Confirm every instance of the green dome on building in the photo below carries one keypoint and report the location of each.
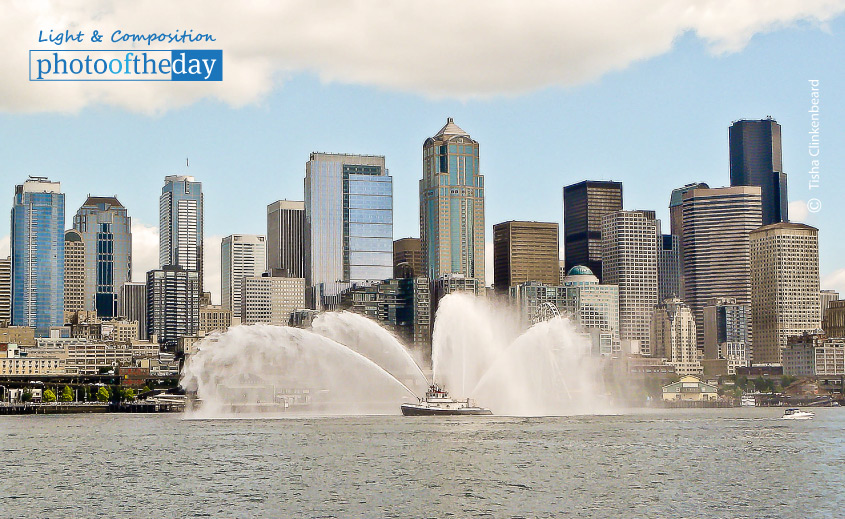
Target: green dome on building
(580, 270)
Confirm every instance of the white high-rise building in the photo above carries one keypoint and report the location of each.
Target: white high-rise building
(181, 224)
(629, 260)
(241, 255)
(673, 337)
(784, 286)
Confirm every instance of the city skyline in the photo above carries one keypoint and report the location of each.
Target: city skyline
(566, 131)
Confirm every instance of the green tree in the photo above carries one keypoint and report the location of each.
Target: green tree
(127, 394)
(103, 394)
(145, 389)
(26, 396)
(49, 395)
(67, 394)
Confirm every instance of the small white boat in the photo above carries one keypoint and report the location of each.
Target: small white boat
(747, 400)
(793, 413)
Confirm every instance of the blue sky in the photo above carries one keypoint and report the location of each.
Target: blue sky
(656, 124)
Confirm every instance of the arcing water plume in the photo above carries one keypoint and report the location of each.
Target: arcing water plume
(369, 339)
(479, 352)
(260, 368)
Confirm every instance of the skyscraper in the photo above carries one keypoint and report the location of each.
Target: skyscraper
(181, 224)
(525, 251)
(452, 205)
(584, 205)
(629, 260)
(668, 267)
(38, 255)
(756, 160)
(106, 230)
(715, 244)
(676, 225)
(74, 272)
(5, 291)
(132, 305)
(241, 255)
(784, 286)
(172, 305)
(407, 258)
(286, 238)
(349, 221)
(726, 333)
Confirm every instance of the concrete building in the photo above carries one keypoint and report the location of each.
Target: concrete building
(20, 335)
(181, 224)
(215, 318)
(452, 206)
(676, 224)
(5, 291)
(814, 354)
(690, 389)
(38, 254)
(673, 337)
(629, 260)
(270, 300)
(241, 255)
(756, 160)
(525, 251)
(349, 218)
(132, 305)
(784, 286)
(727, 336)
(172, 305)
(584, 206)
(834, 320)
(403, 306)
(407, 258)
(286, 235)
(716, 248)
(74, 273)
(825, 296)
(106, 229)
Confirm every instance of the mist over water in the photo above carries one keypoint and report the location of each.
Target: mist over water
(348, 364)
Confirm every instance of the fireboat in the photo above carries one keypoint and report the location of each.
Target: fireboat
(437, 402)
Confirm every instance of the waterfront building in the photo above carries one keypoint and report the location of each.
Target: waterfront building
(452, 206)
(181, 224)
(834, 319)
(38, 255)
(673, 337)
(690, 389)
(215, 318)
(756, 160)
(727, 336)
(668, 267)
(74, 273)
(584, 206)
(784, 286)
(716, 247)
(270, 300)
(629, 260)
(241, 255)
(814, 354)
(286, 235)
(525, 251)
(825, 297)
(106, 230)
(407, 258)
(132, 305)
(172, 305)
(349, 220)
(5, 291)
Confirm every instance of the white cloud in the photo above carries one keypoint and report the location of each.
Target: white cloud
(834, 281)
(798, 211)
(438, 48)
(211, 266)
(144, 250)
(5, 248)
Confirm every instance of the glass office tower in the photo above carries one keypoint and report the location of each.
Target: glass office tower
(181, 224)
(349, 218)
(106, 229)
(38, 255)
(584, 206)
(756, 160)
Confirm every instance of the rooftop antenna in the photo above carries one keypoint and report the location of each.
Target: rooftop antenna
(186, 163)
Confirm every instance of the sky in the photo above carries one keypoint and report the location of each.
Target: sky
(640, 92)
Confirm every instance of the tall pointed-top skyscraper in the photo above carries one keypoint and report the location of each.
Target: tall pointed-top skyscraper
(106, 230)
(181, 223)
(452, 205)
(756, 160)
(38, 255)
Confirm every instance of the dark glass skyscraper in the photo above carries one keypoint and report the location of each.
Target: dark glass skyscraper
(756, 160)
(584, 205)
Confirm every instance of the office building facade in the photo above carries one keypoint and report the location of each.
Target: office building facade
(74, 272)
(452, 205)
(5, 292)
(525, 251)
(38, 255)
(172, 305)
(270, 300)
(584, 206)
(756, 160)
(784, 286)
(727, 333)
(241, 255)
(407, 258)
(132, 305)
(668, 267)
(181, 224)
(286, 235)
(673, 337)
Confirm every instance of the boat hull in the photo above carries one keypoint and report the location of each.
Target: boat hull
(419, 410)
